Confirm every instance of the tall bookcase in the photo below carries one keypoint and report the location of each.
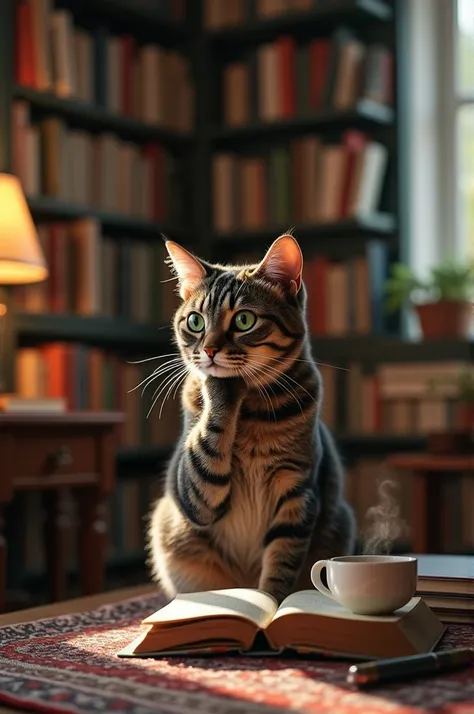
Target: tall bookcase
(210, 51)
(119, 335)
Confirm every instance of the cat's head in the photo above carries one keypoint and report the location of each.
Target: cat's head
(245, 320)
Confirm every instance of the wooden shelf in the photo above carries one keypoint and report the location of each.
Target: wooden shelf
(365, 114)
(100, 331)
(135, 17)
(95, 118)
(49, 208)
(372, 349)
(354, 445)
(379, 225)
(338, 12)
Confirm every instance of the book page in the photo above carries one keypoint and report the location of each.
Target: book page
(311, 602)
(255, 606)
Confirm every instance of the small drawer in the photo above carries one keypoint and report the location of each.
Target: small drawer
(48, 456)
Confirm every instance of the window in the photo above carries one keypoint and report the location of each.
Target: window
(463, 86)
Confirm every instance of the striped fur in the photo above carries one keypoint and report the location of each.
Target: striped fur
(254, 489)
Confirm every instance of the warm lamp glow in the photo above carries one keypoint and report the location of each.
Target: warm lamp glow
(21, 257)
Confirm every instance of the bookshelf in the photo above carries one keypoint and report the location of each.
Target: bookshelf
(324, 17)
(377, 225)
(135, 122)
(96, 118)
(210, 51)
(99, 331)
(46, 208)
(365, 114)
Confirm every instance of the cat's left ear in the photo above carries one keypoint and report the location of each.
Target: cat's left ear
(189, 270)
(283, 264)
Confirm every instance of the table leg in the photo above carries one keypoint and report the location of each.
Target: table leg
(92, 539)
(3, 559)
(57, 521)
(420, 512)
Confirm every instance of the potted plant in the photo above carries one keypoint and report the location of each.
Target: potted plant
(459, 438)
(443, 301)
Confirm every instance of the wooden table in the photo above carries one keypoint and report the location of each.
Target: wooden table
(428, 470)
(68, 607)
(51, 453)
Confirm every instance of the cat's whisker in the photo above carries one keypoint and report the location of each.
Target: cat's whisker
(180, 383)
(308, 361)
(155, 374)
(282, 375)
(162, 387)
(287, 388)
(238, 291)
(150, 359)
(283, 381)
(148, 379)
(176, 383)
(171, 370)
(261, 389)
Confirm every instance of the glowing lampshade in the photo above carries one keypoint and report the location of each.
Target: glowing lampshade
(21, 257)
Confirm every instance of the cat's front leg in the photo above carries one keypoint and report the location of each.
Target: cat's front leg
(203, 477)
(287, 540)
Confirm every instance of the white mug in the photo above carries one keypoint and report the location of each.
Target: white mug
(368, 584)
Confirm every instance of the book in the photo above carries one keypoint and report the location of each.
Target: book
(247, 620)
(101, 68)
(446, 574)
(13, 404)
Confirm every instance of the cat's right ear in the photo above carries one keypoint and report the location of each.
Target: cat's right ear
(189, 270)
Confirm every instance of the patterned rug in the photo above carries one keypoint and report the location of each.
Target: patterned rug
(69, 664)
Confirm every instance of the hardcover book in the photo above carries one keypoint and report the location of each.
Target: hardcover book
(249, 621)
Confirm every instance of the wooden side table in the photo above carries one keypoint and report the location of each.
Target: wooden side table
(428, 471)
(50, 453)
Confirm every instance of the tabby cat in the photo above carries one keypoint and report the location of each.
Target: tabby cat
(254, 490)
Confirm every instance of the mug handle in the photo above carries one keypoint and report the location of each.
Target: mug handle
(316, 578)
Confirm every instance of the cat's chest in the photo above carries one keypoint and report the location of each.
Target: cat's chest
(242, 531)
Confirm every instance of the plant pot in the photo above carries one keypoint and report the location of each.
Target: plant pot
(445, 318)
(456, 441)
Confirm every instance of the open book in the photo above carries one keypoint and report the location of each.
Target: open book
(250, 621)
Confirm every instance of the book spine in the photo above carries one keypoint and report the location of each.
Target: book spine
(100, 66)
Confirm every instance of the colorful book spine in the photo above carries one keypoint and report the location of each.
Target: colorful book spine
(94, 275)
(303, 181)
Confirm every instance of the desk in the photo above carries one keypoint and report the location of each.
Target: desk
(50, 453)
(69, 665)
(428, 471)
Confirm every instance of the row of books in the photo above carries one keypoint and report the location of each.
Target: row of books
(282, 79)
(126, 512)
(90, 379)
(225, 13)
(409, 398)
(305, 181)
(347, 297)
(97, 170)
(370, 484)
(94, 275)
(150, 83)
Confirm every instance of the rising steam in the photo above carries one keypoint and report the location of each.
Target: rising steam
(383, 521)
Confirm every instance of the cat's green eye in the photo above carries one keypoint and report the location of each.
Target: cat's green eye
(195, 322)
(244, 320)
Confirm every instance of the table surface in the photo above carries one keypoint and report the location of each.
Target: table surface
(432, 462)
(68, 607)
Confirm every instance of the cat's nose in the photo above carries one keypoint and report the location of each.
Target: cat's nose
(211, 351)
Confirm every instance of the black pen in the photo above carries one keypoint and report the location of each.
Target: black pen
(380, 671)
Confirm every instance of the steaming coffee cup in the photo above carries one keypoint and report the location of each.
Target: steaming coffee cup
(368, 584)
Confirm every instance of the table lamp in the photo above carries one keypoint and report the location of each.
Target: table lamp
(21, 262)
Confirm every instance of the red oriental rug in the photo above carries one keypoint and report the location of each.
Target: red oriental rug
(69, 664)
